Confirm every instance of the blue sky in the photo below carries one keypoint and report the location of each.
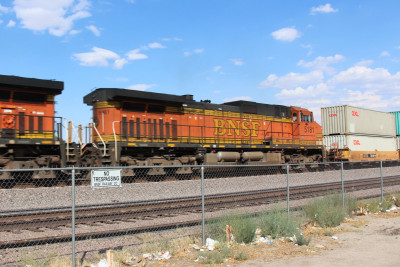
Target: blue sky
(301, 53)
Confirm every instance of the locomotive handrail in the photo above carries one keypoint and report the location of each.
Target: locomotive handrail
(104, 144)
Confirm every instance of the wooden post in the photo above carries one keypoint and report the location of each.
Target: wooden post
(110, 257)
(228, 230)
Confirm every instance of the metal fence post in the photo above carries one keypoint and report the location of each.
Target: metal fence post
(73, 216)
(381, 182)
(287, 189)
(203, 227)
(341, 171)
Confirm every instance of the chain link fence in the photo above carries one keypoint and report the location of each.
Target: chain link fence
(64, 215)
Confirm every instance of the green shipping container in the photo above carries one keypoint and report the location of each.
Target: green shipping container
(397, 119)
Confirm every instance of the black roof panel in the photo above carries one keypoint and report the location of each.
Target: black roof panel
(115, 94)
(10, 82)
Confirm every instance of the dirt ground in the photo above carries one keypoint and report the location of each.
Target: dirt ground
(371, 240)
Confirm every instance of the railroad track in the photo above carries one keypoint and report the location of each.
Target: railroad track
(35, 220)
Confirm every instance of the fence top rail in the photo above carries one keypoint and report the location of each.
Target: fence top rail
(191, 166)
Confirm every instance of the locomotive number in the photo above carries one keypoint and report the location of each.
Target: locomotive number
(356, 142)
(309, 129)
(355, 114)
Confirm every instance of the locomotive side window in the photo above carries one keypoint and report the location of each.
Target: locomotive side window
(22, 97)
(5, 96)
(294, 116)
(306, 118)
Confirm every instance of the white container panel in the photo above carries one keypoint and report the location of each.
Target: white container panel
(352, 120)
(398, 142)
(360, 143)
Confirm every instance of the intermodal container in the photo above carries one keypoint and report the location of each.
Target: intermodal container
(397, 119)
(338, 120)
(360, 143)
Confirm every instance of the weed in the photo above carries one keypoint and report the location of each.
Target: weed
(277, 223)
(301, 240)
(327, 233)
(243, 228)
(241, 256)
(329, 211)
(216, 256)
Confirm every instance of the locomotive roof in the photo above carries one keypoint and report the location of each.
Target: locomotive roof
(241, 106)
(10, 82)
(115, 94)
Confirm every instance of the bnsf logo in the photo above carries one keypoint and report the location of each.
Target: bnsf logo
(237, 127)
(356, 142)
(332, 115)
(355, 114)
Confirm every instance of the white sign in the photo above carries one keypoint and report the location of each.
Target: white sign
(106, 178)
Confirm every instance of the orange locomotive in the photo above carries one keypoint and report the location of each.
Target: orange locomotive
(145, 128)
(30, 134)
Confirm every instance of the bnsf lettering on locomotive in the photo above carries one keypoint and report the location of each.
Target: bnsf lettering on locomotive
(228, 127)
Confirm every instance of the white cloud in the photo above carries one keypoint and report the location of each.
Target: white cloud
(237, 98)
(327, 8)
(98, 57)
(4, 9)
(141, 87)
(217, 68)
(156, 45)
(195, 51)
(286, 34)
(309, 48)
(367, 99)
(119, 63)
(385, 54)
(56, 17)
(367, 78)
(237, 61)
(94, 30)
(322, 63)
(135, 55)
(365, 63)
(11, 23)
(217, 92)
(311, 91)
(293, 80)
